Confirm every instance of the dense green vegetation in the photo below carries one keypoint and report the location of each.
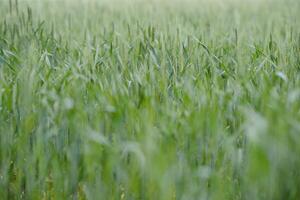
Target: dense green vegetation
(150, 99)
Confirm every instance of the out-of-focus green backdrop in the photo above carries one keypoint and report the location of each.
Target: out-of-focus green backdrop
(149, 99)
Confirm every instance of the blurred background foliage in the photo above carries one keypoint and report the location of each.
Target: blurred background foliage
(149, 99)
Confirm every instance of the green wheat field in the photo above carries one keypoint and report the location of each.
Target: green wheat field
(150, 100)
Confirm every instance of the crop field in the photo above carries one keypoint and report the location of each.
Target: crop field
(150, 99)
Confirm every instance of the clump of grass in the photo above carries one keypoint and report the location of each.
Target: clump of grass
(151, 100)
